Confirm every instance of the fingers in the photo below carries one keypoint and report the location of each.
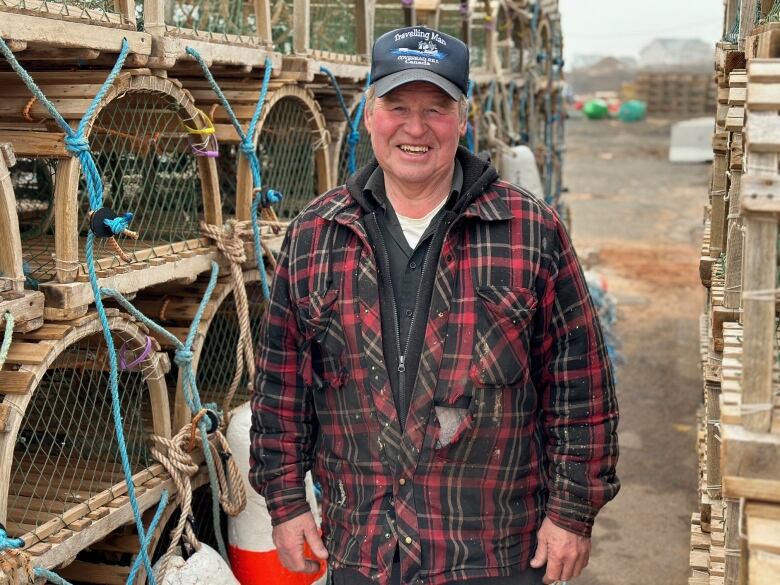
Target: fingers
(553, 572)
(315, 542)
(289, 539)
(541, 554)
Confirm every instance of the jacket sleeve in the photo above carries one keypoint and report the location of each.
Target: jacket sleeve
(283, 419)
(573, 376)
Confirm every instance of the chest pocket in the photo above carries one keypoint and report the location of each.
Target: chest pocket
(323, 348)
(501, 340)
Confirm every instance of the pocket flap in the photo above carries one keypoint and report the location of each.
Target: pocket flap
(515, 304)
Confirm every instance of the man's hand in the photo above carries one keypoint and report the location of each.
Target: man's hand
(565, 553)
(289, 538)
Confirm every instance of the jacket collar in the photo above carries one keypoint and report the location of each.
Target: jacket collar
(477, 198)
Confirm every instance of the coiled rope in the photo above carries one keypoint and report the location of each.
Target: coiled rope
(353, 122)
(77, 145)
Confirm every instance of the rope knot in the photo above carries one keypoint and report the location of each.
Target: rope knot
(183, 357)
(6, 542)
(119, 224)
(77, 144)
(227, 239)
(354, 138)
(247, 146)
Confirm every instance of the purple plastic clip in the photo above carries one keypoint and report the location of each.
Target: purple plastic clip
(123, 365)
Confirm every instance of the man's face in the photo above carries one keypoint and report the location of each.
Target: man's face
(415, 130)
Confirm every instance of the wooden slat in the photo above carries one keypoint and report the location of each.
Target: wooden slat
(23, 353)
(12, 382)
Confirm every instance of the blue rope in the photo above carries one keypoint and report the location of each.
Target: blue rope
(270, 197)
(469, 126)
(491, 97)
(119, 224)
(247, 147)
(5, 541)
(183, 357)
(353, 122)
(51, 577)
(78, 145)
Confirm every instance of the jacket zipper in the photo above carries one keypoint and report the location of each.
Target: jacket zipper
(402, 358)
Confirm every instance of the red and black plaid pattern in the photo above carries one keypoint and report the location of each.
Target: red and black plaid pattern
(512, 341)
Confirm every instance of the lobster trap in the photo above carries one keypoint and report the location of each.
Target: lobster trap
(363, 151)
(61, 474)
(151, 147)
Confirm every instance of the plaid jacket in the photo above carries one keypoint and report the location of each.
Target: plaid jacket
(513, 415)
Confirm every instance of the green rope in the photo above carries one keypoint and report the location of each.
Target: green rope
(9, 330)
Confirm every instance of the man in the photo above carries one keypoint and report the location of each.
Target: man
(432, 354)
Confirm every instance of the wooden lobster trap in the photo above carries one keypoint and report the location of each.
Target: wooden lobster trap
(291, 143)
(217, 341)
(73, 31)
(62, 485)
(22, 305)
(152, 149)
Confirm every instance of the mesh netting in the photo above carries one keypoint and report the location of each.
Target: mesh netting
(282, 25)
(217, 362)
(363, 153)
(33, 181)
(333, 26)
(212, 18)
(97, 11)
(451, 20)
(388, 15)
(147, 167)
(286, 149)
(227, 170)
(477, 53)
(66, 451)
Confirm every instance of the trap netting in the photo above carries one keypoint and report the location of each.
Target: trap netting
(233, 20)
(363, 152)
(333, 26)
(217, 362)
(290, 141)
(227, 170)
(148, 166)
(106, 12)
(452, 16)
(33, 182)
(388, 15)
(65, 451)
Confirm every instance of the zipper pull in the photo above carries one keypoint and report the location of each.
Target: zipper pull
(401, 366)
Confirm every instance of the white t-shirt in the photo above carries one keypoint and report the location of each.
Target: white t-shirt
(414, 228)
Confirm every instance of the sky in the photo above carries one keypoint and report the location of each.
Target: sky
(622, 27)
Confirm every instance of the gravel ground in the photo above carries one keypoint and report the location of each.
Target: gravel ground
(636, 219)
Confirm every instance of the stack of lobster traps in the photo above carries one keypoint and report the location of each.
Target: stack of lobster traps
(736, 531)
(140, 214)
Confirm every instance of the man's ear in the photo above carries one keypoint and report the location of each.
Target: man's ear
(367, 120)
(463, 127)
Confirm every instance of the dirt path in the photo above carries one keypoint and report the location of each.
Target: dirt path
(637, 219)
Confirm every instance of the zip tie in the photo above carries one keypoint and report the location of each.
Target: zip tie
(123, 365)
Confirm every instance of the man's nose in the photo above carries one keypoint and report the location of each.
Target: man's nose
(415, 125)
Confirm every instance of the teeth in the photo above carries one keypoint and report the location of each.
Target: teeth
(412, 148)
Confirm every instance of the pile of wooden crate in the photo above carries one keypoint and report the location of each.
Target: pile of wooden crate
(671, 93)
(735, 535)
(166, 150)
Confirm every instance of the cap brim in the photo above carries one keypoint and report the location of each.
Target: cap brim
(390, 82)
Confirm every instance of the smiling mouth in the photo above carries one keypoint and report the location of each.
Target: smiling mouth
(410, 148)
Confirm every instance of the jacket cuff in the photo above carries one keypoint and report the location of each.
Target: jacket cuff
(286, 503)
(574, 517)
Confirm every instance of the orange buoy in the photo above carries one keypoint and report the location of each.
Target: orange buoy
(251, 549)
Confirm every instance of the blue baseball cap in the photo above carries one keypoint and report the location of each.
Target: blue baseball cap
(418, 53)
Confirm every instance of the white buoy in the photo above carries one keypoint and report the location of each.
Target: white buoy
(204, 567)
(518, 166)
(251, 549)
